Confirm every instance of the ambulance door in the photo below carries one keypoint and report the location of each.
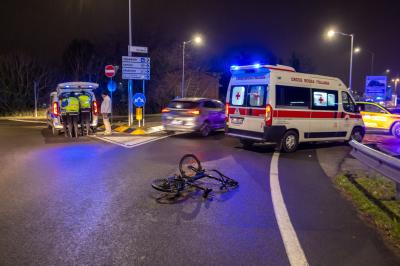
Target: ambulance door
(237, 102)
(348, 120)
(292, 109)
(324, 123)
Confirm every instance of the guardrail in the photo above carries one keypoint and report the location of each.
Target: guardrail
(385, 164)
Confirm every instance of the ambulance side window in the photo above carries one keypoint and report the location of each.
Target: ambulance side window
(237, 96)
(292, 97)
(348, 104)
(256, 95)
(324, 100)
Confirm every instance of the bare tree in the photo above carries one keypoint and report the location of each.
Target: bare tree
(18, 72)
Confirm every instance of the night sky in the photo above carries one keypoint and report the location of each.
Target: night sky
(45, 27)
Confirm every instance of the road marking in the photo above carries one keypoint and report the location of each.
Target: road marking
(129, 141)
(27, 121)
(292, 245)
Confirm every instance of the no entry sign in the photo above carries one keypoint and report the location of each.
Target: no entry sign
(109, 71)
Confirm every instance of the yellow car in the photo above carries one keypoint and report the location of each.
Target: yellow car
(377, 117)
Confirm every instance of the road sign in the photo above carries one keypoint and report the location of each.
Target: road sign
(109, 71)
(139, 99)
(137, 68)
(375, 87)
(111, 86)
(139, 113)
(138, 49)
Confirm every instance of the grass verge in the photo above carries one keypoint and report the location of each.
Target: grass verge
(374, 197)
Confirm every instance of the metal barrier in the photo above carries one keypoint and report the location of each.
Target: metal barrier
(385, 164)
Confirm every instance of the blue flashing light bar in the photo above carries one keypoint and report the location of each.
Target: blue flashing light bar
(259, 67)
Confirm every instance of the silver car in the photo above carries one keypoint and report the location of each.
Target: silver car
(194, 114)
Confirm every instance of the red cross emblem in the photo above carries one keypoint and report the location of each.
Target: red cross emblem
(320, 99)
(237, 96)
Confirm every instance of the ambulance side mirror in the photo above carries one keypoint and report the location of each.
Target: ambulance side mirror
(358, 108)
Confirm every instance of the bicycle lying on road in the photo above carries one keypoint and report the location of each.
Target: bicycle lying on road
(191, 171)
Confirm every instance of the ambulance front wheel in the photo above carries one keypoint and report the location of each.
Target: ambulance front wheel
(357, 134)
(289, 142)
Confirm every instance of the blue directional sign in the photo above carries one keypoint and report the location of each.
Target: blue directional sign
(137, 68)
(139, 99)
(111, 86)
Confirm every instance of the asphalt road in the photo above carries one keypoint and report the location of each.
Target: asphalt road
(90, 203)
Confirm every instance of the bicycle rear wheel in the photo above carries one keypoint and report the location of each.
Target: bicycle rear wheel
(189, 165)
(170, 185)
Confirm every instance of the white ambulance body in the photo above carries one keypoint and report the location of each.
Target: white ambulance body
(275, 104)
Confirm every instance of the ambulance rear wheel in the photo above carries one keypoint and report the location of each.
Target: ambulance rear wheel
(290, 141)
(247, 144)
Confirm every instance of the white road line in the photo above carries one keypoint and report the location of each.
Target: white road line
(292, 245)
(27, 121)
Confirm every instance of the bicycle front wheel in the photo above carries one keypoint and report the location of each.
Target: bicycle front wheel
(170, 185)
(189, 165)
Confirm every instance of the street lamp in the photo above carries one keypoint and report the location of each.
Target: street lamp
(358, 50)
(197, 40)
(396, 80)
(330, 34)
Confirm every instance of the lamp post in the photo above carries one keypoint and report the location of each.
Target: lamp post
(196, 40)
(130, 82)
(396, 80)
(332, 33)
(358, 50)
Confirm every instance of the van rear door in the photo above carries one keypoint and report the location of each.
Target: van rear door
(247, 107)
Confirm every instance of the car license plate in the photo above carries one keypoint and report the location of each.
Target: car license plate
(176, 122)
(236, 120)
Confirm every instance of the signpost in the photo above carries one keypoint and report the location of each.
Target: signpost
(109, 71)
(137, 68)
(139, 100)
(138, 49)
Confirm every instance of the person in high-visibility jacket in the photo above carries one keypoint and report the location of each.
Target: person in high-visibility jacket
(85, 104)
(70, 114)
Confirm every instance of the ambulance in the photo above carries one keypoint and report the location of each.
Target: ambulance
(275, 104)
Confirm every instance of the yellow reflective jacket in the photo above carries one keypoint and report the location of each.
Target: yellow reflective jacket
(70, 105)
(84, 101)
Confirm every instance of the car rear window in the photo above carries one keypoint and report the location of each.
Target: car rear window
(183, 105)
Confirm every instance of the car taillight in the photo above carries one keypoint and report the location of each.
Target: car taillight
(194, 112)
(56, 111)
(165, 110)
(268, 115)
(227, 112)
(95, 108)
